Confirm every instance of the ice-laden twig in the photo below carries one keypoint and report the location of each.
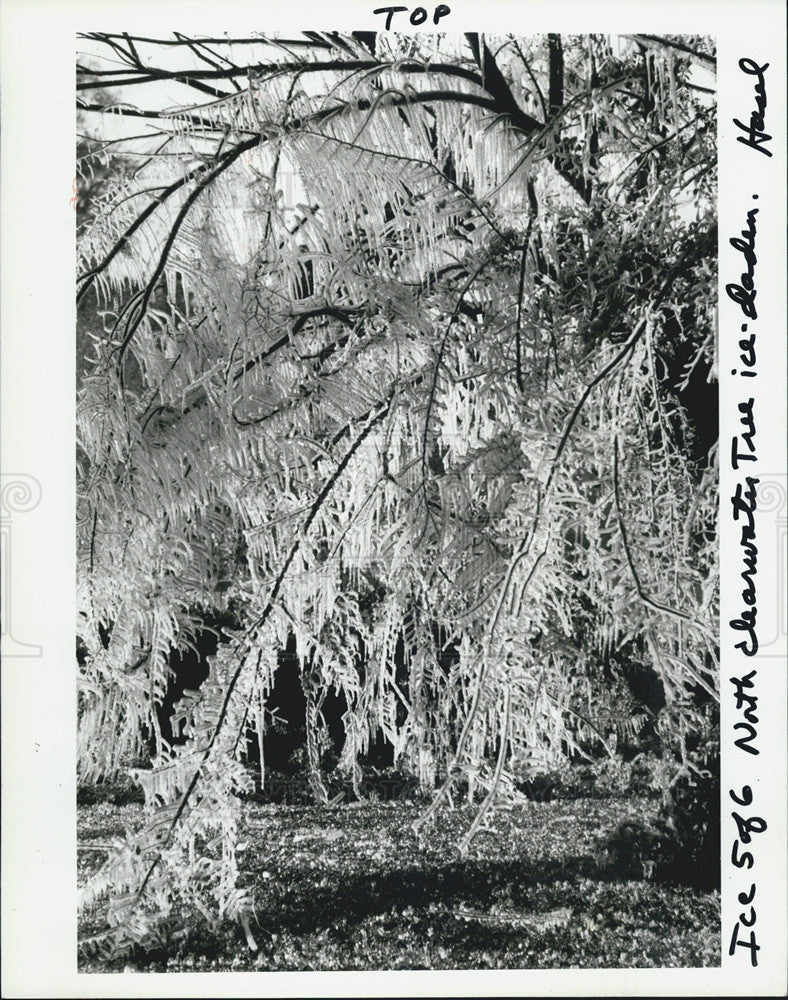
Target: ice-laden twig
(488, 799)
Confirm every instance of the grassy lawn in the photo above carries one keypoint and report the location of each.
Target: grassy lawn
(352, 888)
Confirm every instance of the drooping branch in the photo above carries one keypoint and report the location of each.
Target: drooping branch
(88, 277)
(229, 157)
(644, 597)
(252, 633)
(418, 161)
(431, 398)
(492, 792)
(126, 111)
(226, 161)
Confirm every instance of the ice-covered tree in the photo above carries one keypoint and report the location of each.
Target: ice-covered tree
(408, 343)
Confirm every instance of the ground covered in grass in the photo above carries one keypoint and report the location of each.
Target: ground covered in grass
(353, 888)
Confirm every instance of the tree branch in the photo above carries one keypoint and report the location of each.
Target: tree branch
(505, 104)
(102, 36)
(251, 634)
(193, 77)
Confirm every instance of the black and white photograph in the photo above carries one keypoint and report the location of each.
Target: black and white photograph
(404, 446)
(397, 490)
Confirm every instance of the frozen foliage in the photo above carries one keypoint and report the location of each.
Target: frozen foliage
(409, 353)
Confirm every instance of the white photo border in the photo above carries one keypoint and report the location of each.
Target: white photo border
(38, 372)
